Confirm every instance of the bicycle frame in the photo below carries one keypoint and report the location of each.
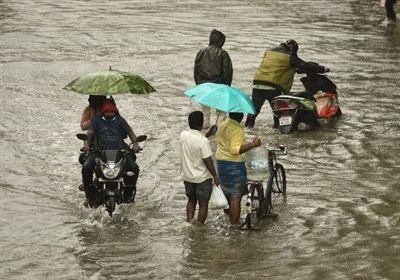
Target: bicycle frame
(272, 156)
(259, 202)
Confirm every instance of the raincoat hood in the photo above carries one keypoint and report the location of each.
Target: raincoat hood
(217, 38)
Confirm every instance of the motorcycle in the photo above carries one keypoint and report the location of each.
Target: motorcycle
(307, 109)
(108, 185)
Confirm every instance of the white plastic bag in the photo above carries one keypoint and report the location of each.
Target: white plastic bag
(217, 199)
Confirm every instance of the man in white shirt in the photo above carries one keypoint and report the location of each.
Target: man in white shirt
(197, 167)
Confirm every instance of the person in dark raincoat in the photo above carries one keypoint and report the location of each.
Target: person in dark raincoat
(213, 65)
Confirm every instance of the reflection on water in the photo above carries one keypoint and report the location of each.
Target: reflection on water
(341, 218)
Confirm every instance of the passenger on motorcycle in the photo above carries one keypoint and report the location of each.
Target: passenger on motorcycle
(275, 75)
(96, 102)
(93, 109)
(108, 131)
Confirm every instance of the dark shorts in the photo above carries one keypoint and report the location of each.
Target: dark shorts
(232, 178)
(199, 190)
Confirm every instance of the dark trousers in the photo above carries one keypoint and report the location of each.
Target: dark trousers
(130, 165)
(390, 9)
(258, 98)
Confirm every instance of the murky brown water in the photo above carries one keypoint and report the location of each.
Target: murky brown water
(341, 219)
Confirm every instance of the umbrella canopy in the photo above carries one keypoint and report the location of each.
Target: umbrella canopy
(221, 97)
(110, 82)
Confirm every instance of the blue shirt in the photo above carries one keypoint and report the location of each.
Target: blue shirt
(109, 134)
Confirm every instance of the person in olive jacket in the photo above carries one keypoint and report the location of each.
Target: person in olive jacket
(213, 65)
(275, 75)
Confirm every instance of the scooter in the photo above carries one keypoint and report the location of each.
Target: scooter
(108, 184)
(307, 110)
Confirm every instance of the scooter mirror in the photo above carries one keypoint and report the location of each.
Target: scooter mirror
(283, 149)
(141, 138)
(82, 136)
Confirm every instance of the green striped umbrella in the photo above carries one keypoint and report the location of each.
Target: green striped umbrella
(110, 82)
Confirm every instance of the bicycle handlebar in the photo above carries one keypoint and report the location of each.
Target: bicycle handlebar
(281, 148)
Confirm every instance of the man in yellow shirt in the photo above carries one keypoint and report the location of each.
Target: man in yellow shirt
(231, 166)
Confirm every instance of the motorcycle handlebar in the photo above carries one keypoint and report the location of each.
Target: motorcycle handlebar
(283, 149)
(303, 71)
(141, 138)
(84, 137)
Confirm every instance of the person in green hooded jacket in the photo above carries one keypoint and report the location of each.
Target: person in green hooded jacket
(275, 76)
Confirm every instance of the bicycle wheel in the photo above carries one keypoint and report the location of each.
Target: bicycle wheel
(259, 198)
(250, 204)
(254, 200)
(257, 194)
(265, 204)
(279, 180)
(248, 221)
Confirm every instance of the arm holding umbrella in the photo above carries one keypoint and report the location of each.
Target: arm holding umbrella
(213, 129)
(134, 141)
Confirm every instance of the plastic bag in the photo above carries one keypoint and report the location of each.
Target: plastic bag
(217, 199)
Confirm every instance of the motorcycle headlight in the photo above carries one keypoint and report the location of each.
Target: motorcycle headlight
(110, 170)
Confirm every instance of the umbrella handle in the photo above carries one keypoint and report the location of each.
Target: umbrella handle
(218, 114)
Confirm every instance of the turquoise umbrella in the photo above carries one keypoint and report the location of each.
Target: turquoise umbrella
(221, 97)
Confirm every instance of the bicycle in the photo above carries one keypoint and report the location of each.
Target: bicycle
(259, 201)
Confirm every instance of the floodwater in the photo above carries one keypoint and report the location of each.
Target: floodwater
(341, 218)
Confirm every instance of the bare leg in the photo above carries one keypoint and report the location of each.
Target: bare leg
(203, 211)
(190, 209)
(234, 210)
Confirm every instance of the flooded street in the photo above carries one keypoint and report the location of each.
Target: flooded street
(341, 218)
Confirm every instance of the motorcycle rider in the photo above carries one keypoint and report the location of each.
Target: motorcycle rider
(108, 131)
(275, 76)
(213, 65)
(93, 109)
